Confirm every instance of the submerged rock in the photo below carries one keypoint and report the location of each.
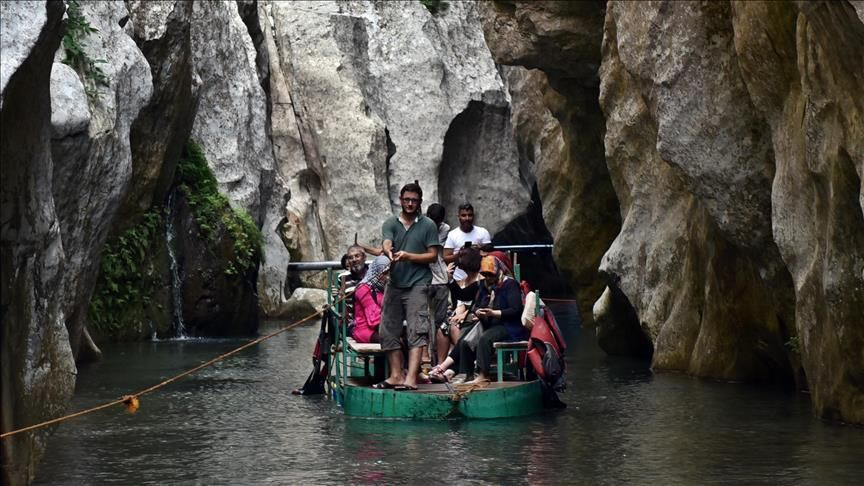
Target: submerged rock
(303, 302)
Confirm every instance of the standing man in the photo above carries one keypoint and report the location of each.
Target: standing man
(466, 232)
(439, 291)
(411, 242)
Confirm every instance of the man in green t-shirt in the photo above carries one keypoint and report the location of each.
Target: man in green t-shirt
(411, 242)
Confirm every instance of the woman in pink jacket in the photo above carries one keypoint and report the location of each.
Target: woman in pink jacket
(368, 297)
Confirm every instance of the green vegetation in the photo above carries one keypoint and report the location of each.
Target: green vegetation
(77, 28)
(435, 6)
(794, 344)
(211, 209)
(128, 279)
(131, 299)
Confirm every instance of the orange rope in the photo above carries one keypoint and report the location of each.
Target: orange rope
(128, 399)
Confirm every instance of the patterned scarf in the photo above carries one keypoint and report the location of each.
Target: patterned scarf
(373, 278)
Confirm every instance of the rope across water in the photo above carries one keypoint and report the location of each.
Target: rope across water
(132, 400)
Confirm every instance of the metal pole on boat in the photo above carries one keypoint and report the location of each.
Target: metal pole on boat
(524, 247)
(312, 266)
(344, 328)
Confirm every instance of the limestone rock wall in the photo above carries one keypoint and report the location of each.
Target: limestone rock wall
(84, 177)
(35, 357)
(162, 32)
(562, 40)
(405, 82)
(698, 269)
(93, 158)
(732, 139)
(802, 65)
(232, 128)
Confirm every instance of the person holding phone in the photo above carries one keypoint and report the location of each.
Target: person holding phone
(464, 236)
(498, 306)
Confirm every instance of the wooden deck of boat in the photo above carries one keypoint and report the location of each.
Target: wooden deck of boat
(443, 389)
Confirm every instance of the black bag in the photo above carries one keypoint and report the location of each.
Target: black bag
(320, 358)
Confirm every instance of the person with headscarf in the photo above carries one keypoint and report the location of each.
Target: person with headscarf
(499, 309)
(368, 297)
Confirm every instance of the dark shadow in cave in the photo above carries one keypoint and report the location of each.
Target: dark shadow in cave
(538, 267)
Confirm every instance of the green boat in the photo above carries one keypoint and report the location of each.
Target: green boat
(351, 371)
(351, 387)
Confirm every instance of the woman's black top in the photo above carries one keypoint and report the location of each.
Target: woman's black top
(467, 294)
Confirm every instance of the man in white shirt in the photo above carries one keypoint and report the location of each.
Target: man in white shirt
(466, 232)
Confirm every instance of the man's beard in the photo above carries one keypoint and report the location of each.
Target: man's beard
(358, 269)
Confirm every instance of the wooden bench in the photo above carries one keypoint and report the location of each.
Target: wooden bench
(367, 349)
(510, 348)
(364, 351)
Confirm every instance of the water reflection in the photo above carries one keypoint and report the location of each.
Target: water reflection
(236, 423)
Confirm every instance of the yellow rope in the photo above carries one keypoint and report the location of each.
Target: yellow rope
(131, 401)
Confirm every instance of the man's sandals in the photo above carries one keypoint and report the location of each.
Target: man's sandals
(386, 385)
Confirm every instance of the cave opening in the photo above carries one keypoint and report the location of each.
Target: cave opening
(482, 164)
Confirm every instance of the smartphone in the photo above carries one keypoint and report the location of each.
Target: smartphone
(467, 244)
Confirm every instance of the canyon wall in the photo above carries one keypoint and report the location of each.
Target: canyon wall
(697, 165)
(732, 144)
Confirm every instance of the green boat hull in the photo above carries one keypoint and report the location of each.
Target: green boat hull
(497, 401)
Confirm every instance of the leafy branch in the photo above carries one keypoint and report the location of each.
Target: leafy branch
(77, 28)
(128, 278)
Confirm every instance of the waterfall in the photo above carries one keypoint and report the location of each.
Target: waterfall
(176, 283)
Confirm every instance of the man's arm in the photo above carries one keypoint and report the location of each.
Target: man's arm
(449, 255)
(372, 250)
(387, 237)
(485, 238)
(387, 249)
(430, 256)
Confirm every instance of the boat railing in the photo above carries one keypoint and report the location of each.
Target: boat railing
(339, 365)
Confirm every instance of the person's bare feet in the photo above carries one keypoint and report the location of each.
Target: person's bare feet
(481, 378)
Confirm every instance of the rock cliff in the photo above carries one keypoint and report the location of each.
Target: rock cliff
(697, 164)
(91, 150)
(37, 363)
(414, 88)
(732, 140)
(564, 132)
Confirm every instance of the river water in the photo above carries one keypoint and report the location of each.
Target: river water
(237, 423)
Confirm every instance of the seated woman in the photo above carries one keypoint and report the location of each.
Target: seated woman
(368, 297)
(462, 294)
(500, 310)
